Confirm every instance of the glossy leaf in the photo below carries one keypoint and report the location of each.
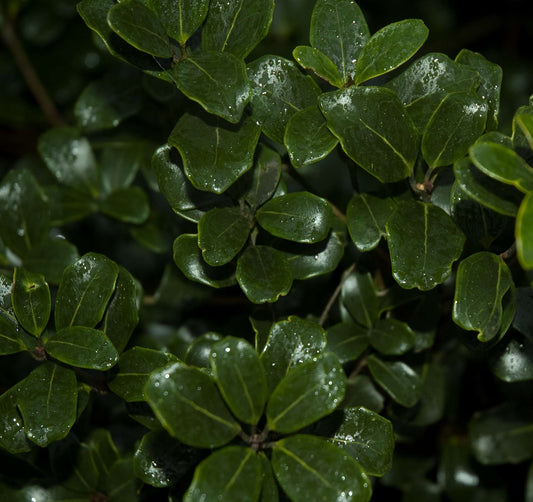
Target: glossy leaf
(420, 256)
(297, 216)
(134, 368)
(234, 471)
(366, 216)
(524, 232)
(398, 379)
(69, 157)
(68, 205)
(214, 154)
(392, 337)
(221, 234)
(307, 137)
(269, 490)
(12, 438)
(523, 127)
(279, 90)
(140, 27)
(85, 290)
(129, 205)
(240, 377)
(263, 274)
(24, 213)
(290, 343)
(374, 130)
(456, 123)
(47, 402)
(180, 19)
(332, 475)
(188, 258)
(390, 47)
(514, 363)
(31, 300)
(216, 80)
(236, 27)
(347, 340)
(199, 351)
(188, 405)
(339, 31)
(483, 280)
(10, 334)
(359, 296)
(310, 58)
(309, 391)
(265, 176)
(360, 391)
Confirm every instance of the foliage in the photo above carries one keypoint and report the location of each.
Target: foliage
(233, 275)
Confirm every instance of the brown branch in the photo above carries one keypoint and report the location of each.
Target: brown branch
(335, 294)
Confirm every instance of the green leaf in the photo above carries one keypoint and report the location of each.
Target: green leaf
(502, 164)
(392, 337)
(483, 280)
(222, 233)
(188, 405)
(263, 274)
(360, 391)
(129, 205)
(188, 258)
(307, 137)
(216, 80)
(309, 391)
(103, 449)
(523, 127)
(214, 154)
(12, 438)
(24, 212)
(290, 343)
(347, 340)
(312, 59)
(297, 216)
(432, 402)
(374, 130)
(457, 122)
(31, 300)
(524, 232)
(359, 296)
(398, 379)
(501, 436)
(390, 47)
(69, 157)
(85, 290)
(279, 90)
(339, 31)
(366, 216)
(47, 402)
(10, 334)
(69, 204)
(236, 27)
(240, 377)
(199, 351)
(327, 475)
(420, 256)
(121, 483)
(269, 490)
(82, 347)
(180, 19)
(514, 363)
(427, 81)
(232, 473)
(140, 27)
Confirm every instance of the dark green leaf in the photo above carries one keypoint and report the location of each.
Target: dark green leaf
(456, 123)
(390, 47)
(47, 403)
(180, 18)
(279, 90)
(269, 490)
(400, 381)
(366, 216)
(240, 377)
(236, 27)
(121, 483)
(188, 258)
(347, 340)
(188, 405)
(374, 130)
(359, 296)
(330, 475)
(523, 127)
(214, 154)
(315, 60)
(31, 300)
(391, 337)
(360, 391)
(134, 368)
(483, 280)
(309, 391)
(85, 290)
(216, 80)
(82, 347)
(24, 212)
(68, 204)
(127, 204)
(10, 334)
(232, 473)
(307, 137)
(199, 351)
(140, 27)
(524, 232)
(339, 31)
(514, 363)
(263, 274)
(221, 234)
(420, 256)
(290, 343)
(12, 437)
(103, 449)
(265, 177)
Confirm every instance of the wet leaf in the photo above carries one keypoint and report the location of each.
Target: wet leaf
(13, 439)
(514, 363)
(199, 351)
(347, 340)
(391, 337)
(310, 58)
(524, 232)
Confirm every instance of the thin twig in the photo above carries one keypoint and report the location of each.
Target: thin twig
(509, 253)
(336, 293)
